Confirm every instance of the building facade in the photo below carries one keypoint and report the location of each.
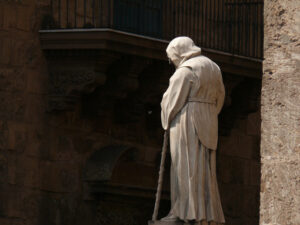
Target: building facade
(81, 82)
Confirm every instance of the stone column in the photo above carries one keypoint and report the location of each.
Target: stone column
(280, 112)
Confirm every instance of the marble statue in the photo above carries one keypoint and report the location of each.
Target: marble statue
(190, 108)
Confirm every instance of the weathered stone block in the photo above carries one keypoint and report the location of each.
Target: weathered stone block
(227, 145)
(223, 169)
(65, 209)
(250, 220)
(240, 126)
(59, 148)
(36, 81)
(14, 203)
(3, 167)
(24, 171)
(24, 17)
(3, 135)
(5, 53)
(28, 205)
(151, 154)
(17, 136)
(9, 16)
(255, 173)
(253, 124)
(25, 52)
(12, 80)
(239, 145)
(250, 198)
(5, 221)
(231, 198)
(35, 108)
(12, 105)
(234, 170)
(249, 146)
(233, 221)
(34, 144)
(59, 176)
(1, 17)
(18, 52)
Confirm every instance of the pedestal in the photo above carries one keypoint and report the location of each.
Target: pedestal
(159, 222)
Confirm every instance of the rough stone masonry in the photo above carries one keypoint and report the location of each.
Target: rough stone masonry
(280, 111)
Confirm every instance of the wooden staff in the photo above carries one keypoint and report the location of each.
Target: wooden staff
(161, 175)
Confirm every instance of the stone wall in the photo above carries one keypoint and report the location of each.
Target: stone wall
(42, 153)
(23, 75)
(238, 158)
(239, 171)
(280, 111)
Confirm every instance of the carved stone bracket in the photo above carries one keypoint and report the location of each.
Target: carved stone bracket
(72, 75)
(66, 85)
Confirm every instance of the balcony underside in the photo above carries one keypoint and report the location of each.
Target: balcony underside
(138, 45)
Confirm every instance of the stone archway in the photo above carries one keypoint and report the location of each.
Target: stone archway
(113, 175)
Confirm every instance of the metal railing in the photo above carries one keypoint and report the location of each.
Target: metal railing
(232, 26)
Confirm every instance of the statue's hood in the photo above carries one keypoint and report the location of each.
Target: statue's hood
(181, 49)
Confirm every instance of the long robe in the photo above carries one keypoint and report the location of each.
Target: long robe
(190, 108)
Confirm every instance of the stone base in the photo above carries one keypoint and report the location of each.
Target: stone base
(159, 222)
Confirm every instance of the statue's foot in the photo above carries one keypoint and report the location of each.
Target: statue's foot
(170, 218)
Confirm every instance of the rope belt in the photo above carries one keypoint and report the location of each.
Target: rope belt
(201, 100)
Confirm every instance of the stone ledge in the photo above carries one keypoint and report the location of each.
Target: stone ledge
(152, 48)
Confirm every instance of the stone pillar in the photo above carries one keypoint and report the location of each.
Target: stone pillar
(280, 112)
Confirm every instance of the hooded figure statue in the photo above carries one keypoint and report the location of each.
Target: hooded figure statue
(190, 109)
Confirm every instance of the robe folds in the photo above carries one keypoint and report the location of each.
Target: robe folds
(190, 109)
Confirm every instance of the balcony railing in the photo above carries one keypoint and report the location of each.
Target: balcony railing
(232, 26)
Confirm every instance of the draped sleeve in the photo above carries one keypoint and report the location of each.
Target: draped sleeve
(176, 95)
(220, 93)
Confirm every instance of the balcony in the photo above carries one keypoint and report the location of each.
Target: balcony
(84, 40)
(232, 27)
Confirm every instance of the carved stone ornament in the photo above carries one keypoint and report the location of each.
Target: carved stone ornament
(66, 86)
